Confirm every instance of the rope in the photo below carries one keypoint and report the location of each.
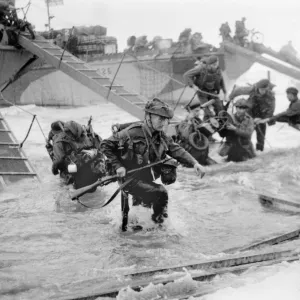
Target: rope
(34, 118)
(41, 129)
(179, 98)
(264, 136)
(65, 47)
(21, 145)
(280, 127)
(112, 82)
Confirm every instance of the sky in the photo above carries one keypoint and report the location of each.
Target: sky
(278, 20)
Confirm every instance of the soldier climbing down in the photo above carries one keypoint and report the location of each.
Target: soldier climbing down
(144, 143)
(208, 78)
(261, 105)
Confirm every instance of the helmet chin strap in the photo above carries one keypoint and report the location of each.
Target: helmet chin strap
(149, 122)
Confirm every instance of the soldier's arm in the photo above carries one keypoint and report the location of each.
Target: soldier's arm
(241, 90)
(58, 154)
(246, 128)
(222, 85)
(190, 74)
(179, 153)
(290, 112)
(110, 148)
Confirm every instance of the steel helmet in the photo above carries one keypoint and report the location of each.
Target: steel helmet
(158, 107)
(242, 103)
(75, 128)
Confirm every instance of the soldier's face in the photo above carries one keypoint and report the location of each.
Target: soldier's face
(262, 91)
(159, 122)
(196, 112)
(215, 65)
(240, 111)
(291, 96)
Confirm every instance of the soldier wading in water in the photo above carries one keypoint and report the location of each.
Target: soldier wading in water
(140, 144)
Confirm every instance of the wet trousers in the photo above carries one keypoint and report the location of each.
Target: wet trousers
(261, 130)
(150, 194)
(286, 119)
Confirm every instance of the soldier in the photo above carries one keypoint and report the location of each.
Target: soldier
(193, 135)
(291, 115)
(289, 52)
(261, 103)
(144, 143)
(240, 32)
(189, 125)
(208, 78)
(56, 128)
(225, 32)
(238, 145)
(71, 141)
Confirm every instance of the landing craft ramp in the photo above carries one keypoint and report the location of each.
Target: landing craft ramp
(255, 55)
(14, 165)
(133, 103)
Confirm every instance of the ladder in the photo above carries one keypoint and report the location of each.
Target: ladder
(131, 102)
(14, 165)
(280, 67)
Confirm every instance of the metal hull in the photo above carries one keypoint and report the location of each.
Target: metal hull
(149, 76)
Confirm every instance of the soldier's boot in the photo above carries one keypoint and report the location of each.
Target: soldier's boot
(161, 216)
(136, 201)
(259, 147)
(159, 219)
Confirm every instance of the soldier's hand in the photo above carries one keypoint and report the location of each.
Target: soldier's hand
(258, 120)
(230, 127)
(121, 172)
(200, 170)
(195, 88)
(54, 170)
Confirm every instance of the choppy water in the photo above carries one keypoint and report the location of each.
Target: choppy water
(49, 244)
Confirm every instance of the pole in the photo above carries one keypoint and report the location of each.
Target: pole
(112, 82)
(48, 12)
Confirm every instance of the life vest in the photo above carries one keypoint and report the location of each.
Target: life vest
(209, 80)
(260, 104)
(75, 146)
(137, 152)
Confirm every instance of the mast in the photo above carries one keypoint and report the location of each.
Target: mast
(51, 3)
(49, 17)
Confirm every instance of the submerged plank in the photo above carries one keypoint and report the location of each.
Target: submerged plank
(202, 271)
(269, 201)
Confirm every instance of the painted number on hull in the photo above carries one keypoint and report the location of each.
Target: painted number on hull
(105, 71)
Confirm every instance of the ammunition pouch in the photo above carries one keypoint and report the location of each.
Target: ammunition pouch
(167, 171)
(168, 174)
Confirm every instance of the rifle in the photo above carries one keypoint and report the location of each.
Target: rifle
(90, 127)
(108, 179)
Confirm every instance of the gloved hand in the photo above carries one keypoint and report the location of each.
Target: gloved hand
(200, 170)
(54, 169)
(121, 172)
(271, 122)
